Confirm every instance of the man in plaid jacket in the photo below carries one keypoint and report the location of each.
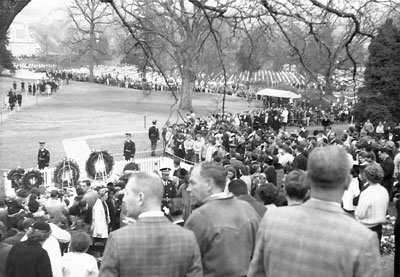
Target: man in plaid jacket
(152, 246)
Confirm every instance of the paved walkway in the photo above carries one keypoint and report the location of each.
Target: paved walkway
(78, 149)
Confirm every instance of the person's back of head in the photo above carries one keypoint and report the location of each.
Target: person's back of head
(80, 242)
(296, 188)
(328, 169)
(147, 189)
(267, 193)
(237, 187)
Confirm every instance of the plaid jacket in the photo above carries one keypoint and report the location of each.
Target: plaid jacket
(153, 246)
(314, 239)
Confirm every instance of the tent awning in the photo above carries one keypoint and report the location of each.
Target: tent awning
(278, 93)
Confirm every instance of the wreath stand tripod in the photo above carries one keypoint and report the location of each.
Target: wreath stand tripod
(101, 173)
(66, 174)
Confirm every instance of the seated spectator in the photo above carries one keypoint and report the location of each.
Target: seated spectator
(78, 262)
(297, 191)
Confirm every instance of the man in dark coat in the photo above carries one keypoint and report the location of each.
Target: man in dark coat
(129, 148)
(387, 165)
(28, 258)
(299, 161)
(239, 188)
(154, 136)
(43, 156)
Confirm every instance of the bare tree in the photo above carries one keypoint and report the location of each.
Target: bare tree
(89, 20)
(176, 28)
(333, 29)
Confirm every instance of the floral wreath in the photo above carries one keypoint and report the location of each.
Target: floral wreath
(67, 170)
(15, 176)
(32, 178)
(92, 166)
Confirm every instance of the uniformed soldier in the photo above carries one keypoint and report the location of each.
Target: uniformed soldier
(154, 136)
(170, 191)
(129, 148)
(43, 156)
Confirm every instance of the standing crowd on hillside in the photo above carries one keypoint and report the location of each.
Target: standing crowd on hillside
(258, 201)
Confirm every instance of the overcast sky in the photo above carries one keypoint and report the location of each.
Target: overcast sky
(39, 10)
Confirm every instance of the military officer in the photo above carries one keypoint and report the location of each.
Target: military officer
(129, 147)
(170, 191)
(154, 136)
(43, 156)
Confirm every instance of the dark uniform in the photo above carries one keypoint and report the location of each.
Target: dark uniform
(170, 191)
(43, 157)
(154, 136)
(129, 148)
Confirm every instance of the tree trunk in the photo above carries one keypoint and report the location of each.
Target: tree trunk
(187, 88)
(8, 11)
(92, 42)
(328, 85)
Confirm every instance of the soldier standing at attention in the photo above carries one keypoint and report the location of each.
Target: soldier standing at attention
(129, 148)
(43, 156)
(154, 136)
(169, 187)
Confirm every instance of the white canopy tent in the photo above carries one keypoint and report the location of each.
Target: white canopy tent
(278, 93)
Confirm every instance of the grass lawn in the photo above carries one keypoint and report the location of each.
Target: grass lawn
(83, 109)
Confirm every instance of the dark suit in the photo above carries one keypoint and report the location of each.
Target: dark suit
(28, 259)
(153, 246)
(154, 136)
(4, 250)
(388, 170)
(300, 162)
(129, 149)
(259, 207)
(43, 158)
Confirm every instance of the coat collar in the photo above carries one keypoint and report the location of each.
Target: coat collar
(322, 205)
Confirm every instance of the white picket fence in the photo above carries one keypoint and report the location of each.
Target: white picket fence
(148, 164)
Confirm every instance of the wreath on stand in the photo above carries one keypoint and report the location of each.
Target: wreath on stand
(66, 173)
(100, 162)
(32, 178)
(15, 176)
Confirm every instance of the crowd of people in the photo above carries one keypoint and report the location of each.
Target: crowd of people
(259, 201)
(14, 96)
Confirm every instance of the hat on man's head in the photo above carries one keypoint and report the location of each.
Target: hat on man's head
(165, 170)
(128, 134)
(154, 121)
(41, 142)
(40, 225)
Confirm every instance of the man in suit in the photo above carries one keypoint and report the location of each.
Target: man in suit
(129, 148)
(299, 161)
(239, 188)
(153, 246)
(387, 165)
(317, 238)
(43, 156)
(154, 136)
(225, 227)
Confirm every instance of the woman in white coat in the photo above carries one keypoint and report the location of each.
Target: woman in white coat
(100, 221)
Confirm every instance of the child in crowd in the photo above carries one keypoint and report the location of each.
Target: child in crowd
(78, 263)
